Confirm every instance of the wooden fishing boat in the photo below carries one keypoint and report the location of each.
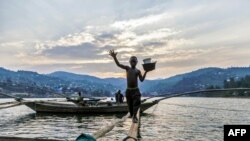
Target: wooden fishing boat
(56, 107)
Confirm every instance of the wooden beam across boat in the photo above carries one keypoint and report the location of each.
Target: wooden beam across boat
(5, 138)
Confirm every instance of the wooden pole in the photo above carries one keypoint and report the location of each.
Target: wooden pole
(169, 95)
(13, 105)
(10, 96)
(100, 133)
(8, 103)
(201, 91)
(105, 130)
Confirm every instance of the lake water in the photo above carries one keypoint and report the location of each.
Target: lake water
(175, 119)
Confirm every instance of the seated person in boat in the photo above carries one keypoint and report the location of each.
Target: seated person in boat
(133, 94)
(119, 97)
(80, 99)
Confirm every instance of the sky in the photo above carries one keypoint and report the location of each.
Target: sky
(75, 35)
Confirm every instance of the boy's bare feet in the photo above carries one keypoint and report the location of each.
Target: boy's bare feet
(135, 120)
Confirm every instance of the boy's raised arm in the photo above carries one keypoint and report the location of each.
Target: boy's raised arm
(113, 54)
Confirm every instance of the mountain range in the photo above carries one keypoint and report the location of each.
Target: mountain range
(43, 85)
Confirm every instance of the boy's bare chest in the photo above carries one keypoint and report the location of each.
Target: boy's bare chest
(132, 73)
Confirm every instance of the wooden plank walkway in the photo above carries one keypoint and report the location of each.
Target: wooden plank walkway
(100, 133)
(134, 131)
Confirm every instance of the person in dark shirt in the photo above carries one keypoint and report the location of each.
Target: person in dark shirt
(119, 97)
(80, 99)
(133, 94)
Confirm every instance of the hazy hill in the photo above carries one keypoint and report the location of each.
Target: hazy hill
(72, 76)
(43, 84)
(194, 80)
(199, 79)
(119, 83)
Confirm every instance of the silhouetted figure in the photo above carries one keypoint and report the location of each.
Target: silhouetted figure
(133, 94)
(80, 99)
(119, 97)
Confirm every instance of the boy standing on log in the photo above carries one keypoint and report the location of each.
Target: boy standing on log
(133, 94)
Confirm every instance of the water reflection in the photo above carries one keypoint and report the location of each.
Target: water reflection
(17, 120)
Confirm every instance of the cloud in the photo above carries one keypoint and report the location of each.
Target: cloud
(134, 23)
(83, 51)
(180, 35)
(68, 41)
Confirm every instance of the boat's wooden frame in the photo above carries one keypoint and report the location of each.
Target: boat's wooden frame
(55, 107)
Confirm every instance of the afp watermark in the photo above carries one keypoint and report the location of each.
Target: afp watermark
(236, 132)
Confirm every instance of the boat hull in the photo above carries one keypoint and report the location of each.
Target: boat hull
(49, 107)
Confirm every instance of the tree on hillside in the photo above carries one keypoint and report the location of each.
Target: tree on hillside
(242, 83)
